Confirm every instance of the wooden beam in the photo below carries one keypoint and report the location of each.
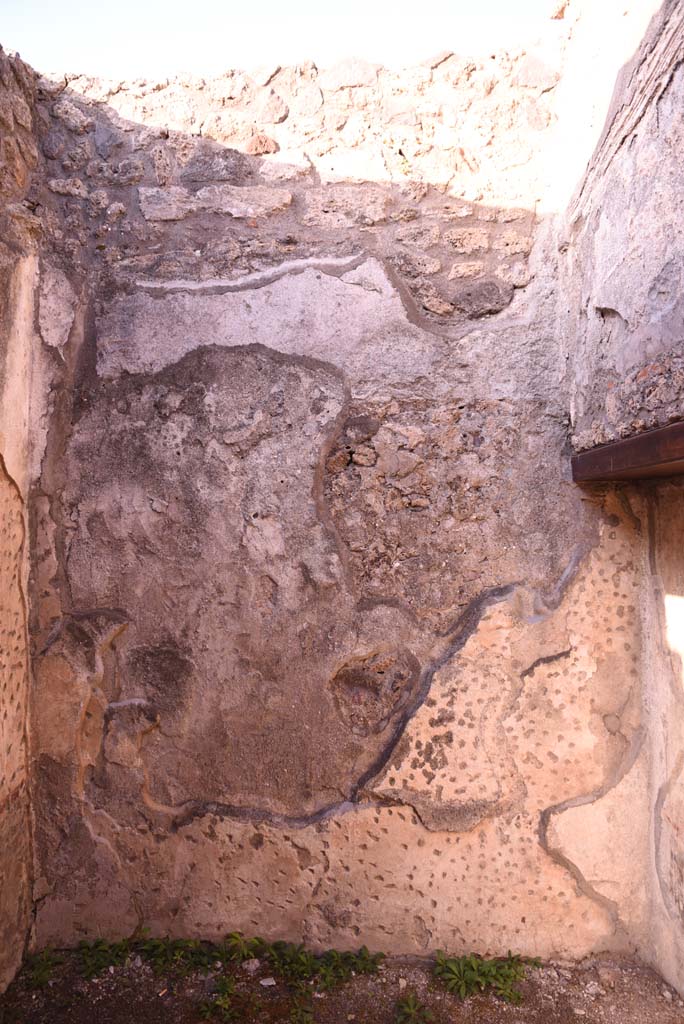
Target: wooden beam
(658, 452)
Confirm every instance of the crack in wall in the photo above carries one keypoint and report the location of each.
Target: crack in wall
(452, 642)
(331, 266)
(547, 660)
(632, 751)
(666, 787)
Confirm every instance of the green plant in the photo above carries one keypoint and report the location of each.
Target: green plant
(41, 967)
(178, 955)
(364, 962)
(467, 975)
(292, 962)
(410, 1010)
(296, 964)
(239, 948)
(299, 967)
(221, 1003)
(301, 1014)
(98, 955)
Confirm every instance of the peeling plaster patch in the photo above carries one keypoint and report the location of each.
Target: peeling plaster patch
(56, 308)
(307, 314)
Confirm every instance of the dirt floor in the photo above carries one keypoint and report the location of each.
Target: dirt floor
(596, 992)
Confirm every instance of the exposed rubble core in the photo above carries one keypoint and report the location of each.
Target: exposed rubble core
(325, 644)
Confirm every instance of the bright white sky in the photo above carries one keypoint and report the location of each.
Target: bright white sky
(153, 38)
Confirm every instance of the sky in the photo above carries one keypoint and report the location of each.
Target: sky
(154, 38)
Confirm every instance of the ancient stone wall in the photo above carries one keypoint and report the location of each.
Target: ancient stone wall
(317, 644)
(18, 268)
(621, 318)
(621, 277)
(326, 645)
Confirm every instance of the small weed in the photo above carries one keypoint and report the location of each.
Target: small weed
(467, 975)
(301, 1014)
(410, 1010)
(221, 1003)
(97, 956)
(239, 948)
(299, 967)
(364, 962)
(41, 967)
(303, 971)
(179, 956)
(291, 962)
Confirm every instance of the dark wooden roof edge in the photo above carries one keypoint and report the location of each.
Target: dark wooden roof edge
(657, 452)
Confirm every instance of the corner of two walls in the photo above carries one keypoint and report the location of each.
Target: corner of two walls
(37, 308)
(622, 315)
(337, 490)
(18, 282)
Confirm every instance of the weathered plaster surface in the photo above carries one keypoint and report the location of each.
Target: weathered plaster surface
(621, 276)
(325, 642)
(316, 611)
(620, 294)
(18, 274)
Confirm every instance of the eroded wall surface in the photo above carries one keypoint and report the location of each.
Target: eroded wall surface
(621, 277)
(18, 267)
(326, 643)
(621, 314)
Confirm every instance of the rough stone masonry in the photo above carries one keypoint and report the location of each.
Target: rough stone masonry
(305, 629)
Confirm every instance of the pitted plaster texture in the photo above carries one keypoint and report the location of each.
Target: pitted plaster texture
(621, 316)
(18, 275)
(325, 643)
(316, 590)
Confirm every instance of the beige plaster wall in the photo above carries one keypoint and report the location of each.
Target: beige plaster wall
(326, 644)
(18, 275)
(621, 317)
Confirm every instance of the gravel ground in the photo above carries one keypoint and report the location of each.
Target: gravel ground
(595, 992)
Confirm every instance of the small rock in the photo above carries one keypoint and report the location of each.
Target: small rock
(667, 995)
(171, 203)
(99, 200)
(270, 108)
(364, 456)
(245, 201)
(438, 58)
(402, 984)
(114, 211)
(265, 74)
(267, 982)
(68, 187)
(307, 101)
(434, 302)
(594, 989)
(70, 115)
(608, 976)
(348, 74)
(251, 966)
(460, 270)
(260, 144)
(532, 73)
(483, 297)
(467, 240)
